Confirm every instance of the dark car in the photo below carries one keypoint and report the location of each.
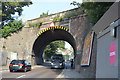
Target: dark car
(57, 61)
(19, 65)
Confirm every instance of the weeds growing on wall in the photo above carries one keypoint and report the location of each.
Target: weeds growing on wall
(35, 24)
(58, 18)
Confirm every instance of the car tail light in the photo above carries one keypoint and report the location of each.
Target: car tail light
(21, 65)
(11, 64)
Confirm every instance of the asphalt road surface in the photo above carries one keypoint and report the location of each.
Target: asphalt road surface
(38, 72)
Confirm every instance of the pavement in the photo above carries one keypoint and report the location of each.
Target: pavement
(69, 73)
(3, 68)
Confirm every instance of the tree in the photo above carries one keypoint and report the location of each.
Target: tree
(94, 10)
(10, 8)
(9, 23)
(52, 48)
(11, 28)
(44, 14)
(76, 4)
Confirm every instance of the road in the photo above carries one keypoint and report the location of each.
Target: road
(38, 72)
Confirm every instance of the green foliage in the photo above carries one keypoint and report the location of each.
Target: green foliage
(44, 14)
(10, 28)
(10, 25)
(76, 4)
(57, 18)
(52, 48)
(94, 10)
(35, 24)
(73, 14)
(10, 8)
(66, 57)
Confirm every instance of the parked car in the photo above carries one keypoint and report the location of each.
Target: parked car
(19, 65)
(57, 61)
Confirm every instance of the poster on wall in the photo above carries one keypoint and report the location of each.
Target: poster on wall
(87, 49)
(13, 56)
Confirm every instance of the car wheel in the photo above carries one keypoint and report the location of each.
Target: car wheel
(11, 70)
(30, 69)
(25, 70)
(51, 67)
(62, 68)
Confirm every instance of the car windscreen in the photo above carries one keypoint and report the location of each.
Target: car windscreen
(57, 59)
(17, 62)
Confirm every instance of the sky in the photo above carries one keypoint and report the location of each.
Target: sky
(50, 6)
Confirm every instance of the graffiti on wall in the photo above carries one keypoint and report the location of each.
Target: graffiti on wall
(112, 53)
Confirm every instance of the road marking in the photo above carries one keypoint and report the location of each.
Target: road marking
(61, 75)
(21, 76)
(37, 67)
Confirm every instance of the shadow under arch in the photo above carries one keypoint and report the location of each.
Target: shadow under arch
(47, 37)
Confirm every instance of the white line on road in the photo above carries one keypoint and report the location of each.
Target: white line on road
(21, 76)
(61, 75)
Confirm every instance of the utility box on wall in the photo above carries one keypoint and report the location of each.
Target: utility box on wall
(3, 58)
(107, 52)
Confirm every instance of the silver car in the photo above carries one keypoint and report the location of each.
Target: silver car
(57, 61)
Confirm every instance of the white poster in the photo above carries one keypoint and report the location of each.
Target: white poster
(13, 56)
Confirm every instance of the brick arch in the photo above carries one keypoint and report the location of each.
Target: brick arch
(47, 37)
